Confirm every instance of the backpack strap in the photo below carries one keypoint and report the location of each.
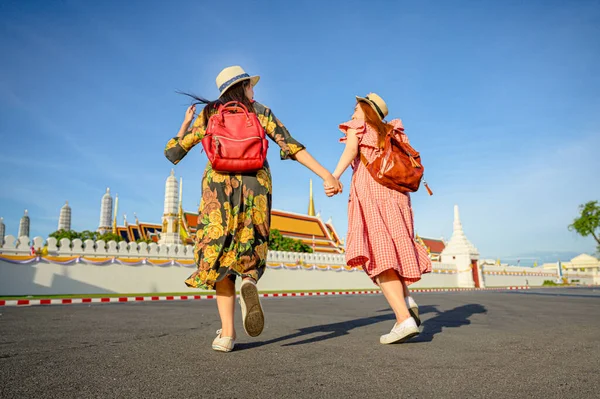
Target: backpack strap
(363, 158)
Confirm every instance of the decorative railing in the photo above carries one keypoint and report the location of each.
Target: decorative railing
(67, 252)
(89, 249)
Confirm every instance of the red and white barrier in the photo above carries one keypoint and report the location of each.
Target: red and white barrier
(124, 299)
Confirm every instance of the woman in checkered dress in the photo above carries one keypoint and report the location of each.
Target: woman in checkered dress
(381, 235)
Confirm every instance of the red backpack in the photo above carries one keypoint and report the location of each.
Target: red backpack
(235, 141)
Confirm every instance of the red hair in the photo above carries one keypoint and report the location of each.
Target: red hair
(372, 119)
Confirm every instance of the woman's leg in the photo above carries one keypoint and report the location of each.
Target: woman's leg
(226, 305)
(405, 288)
(393, 290)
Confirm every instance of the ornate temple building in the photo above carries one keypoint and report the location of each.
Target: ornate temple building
(434, 247)
(179, 226)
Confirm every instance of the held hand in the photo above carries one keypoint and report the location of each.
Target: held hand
(331, 191)
(332, 186)
(189, 114)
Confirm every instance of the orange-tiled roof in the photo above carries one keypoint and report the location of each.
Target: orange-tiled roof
(308, 229)
(435, 246)
(191, 219)
(298, 226)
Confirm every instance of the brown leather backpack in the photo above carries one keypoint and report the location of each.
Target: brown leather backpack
(397, 165)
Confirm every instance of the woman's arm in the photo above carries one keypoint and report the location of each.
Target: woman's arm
(349, 154)
(178, 147)
(307, 160)
(187, 121)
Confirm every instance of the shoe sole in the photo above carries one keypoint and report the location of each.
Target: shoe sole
(414, 313)
(220, 348)
(402, 339)
(254, 318)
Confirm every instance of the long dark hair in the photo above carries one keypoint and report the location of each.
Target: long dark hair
(237, 92)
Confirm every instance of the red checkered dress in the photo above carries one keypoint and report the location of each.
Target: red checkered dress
(380, 220)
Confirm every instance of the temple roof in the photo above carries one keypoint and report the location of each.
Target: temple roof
(311, 230)
(288, 222)
(436, 246)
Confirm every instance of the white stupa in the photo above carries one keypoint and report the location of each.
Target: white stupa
(106, 208)
(64, 220)
(461, 252)
(459, 244)
(24, 225)
(170, 222)
(2, 232)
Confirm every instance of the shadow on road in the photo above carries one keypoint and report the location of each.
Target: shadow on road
(452, 318)
(456, 317)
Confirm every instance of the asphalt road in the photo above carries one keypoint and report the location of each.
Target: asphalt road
(534, 344)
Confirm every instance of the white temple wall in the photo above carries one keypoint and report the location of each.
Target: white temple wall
(501, 276)
(68, 268)
(97, 267)
(43, 278)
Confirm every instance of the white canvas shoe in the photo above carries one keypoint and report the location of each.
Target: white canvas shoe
(401, 332)
(223, 344)
(413, 309)
(252, 313)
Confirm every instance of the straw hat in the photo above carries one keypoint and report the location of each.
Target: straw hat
(232, 75)
(376, 103)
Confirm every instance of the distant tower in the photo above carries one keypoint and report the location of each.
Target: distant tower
(2, 232)
(105, 213)
(64, 220)
(311, 202)
(170, 222)
(24, 225)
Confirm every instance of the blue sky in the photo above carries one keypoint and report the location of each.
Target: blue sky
(502, 99)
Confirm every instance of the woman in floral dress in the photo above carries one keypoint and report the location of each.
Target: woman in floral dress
(380, 220)
(235, 210)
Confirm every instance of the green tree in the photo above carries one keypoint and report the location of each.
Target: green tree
(60, 234)
(85, 235)
(110, 237)
(277, 242)
(146, 240)
(89, 235)
(588, 222)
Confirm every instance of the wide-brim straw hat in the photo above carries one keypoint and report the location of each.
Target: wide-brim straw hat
(232, 75)
(376, 103)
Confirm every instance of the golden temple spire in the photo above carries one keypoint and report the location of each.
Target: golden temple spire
(183, 233)
(114, 226)
(311, 202)
(180, 196)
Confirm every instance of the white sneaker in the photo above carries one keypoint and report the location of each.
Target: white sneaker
(401, 332)
(223, 344)
(413, 309)
(252, 313)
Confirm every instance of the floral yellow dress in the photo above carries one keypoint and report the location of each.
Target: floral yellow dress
(234, 217)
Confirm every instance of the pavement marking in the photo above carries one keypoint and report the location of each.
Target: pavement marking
(127, 299)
